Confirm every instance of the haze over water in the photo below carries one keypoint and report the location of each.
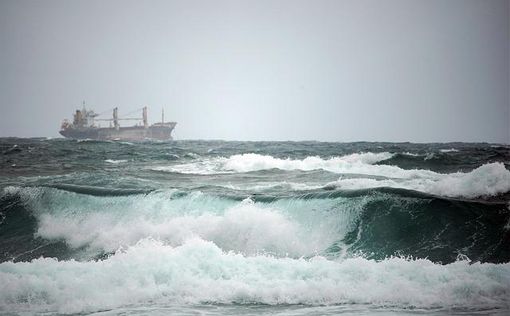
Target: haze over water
(398, 70)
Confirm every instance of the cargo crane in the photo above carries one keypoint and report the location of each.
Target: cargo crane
(84, 127)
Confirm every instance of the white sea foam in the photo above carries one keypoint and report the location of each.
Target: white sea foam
(113, 161)
(283, 227)
(245, 227)
(429, 156)
(411, 154)
(208, 166)
(254, 162)
(487, 180)
(450, 150)
(199, 272)
(359, 163)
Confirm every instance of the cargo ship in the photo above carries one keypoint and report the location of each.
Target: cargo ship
(84, 127)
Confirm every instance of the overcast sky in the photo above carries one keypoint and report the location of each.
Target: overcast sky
(399, 70)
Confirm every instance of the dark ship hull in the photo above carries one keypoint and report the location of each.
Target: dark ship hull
(133, 133)
(83, 127)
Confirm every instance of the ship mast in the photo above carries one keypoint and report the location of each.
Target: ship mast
(116, 118)
(144, 117)
(162, 115)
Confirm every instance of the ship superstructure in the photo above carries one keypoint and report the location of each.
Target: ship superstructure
(84, 127)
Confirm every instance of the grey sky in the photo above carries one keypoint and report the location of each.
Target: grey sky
(400, 70)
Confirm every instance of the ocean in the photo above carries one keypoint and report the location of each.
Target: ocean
(253, 228)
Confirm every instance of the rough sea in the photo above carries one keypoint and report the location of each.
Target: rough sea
(253, 228)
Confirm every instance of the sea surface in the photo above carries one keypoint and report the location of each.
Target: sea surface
(253, 228)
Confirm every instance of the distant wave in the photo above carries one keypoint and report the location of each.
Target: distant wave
(488, 180)
(113, 161)
(451, 150)
(354, 163)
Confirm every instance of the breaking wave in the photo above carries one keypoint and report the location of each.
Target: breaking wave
(354, 163)
(332, 224)
(282, 228)
(200, 272)
(487, 180)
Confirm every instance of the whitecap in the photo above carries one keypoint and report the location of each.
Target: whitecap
(113, 161)
(199, 271)
(487, 180)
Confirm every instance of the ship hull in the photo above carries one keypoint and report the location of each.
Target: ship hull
(134, 133)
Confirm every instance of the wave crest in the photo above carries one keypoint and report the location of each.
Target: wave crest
(358, 163)
(199, 272)
(485, 181)
(361, 171)
(103, 224)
